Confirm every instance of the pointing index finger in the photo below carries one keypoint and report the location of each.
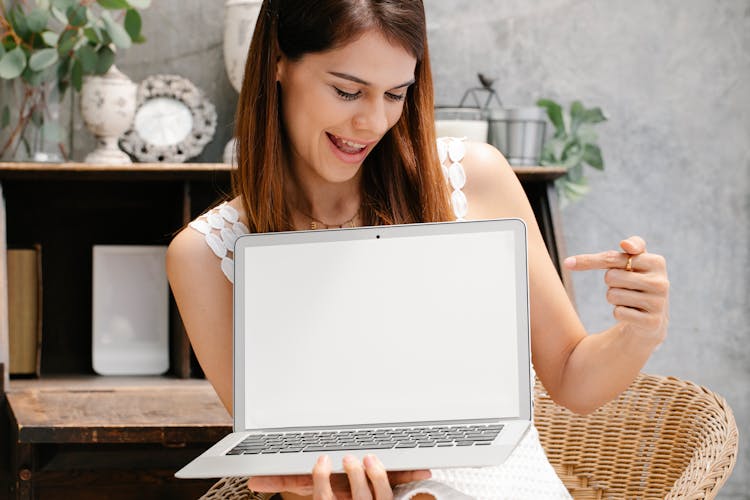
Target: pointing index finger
(611, 259)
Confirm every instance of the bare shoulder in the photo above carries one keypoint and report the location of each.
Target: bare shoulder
(189, 256)
(190, 262)
(492, 188)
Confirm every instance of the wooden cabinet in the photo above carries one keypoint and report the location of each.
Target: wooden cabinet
(71, 433)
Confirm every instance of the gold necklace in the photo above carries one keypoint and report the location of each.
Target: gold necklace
(319, 224)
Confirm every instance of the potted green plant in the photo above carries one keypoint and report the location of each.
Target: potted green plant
(47, 46)
(573, 146)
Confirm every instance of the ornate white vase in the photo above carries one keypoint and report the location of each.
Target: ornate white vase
(108, 104)
(239, 24)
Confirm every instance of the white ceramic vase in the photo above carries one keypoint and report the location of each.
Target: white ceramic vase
(108, 104)
(239, 24)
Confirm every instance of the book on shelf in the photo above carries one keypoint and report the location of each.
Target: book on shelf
(25, 310)
(4, 348)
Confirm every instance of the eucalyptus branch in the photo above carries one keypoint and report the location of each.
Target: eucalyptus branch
(22, 122)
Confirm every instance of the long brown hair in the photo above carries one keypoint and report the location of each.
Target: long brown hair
(402, 180)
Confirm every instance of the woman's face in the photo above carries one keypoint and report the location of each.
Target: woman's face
(337, 105)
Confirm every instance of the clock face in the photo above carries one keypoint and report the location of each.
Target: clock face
(162, 121)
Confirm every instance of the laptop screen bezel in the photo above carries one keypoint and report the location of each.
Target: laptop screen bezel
(517, 226)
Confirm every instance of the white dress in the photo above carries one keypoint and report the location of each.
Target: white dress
(526, 474)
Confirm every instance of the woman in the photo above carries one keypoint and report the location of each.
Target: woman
(335, 129)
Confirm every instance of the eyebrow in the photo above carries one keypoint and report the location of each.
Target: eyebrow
(354, 79)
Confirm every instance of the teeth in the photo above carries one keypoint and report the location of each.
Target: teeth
(353, 144)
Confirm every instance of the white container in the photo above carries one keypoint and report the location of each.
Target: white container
(239, 24)
(130, 310)
(240, 17)
(461, 122)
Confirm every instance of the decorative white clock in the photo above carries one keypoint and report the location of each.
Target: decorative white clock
(173, 123)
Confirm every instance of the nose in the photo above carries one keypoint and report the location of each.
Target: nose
(372, 118)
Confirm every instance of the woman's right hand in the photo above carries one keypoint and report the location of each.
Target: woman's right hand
(366, 480)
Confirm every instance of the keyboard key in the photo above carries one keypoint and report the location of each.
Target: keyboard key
(406, 444)
(296, 449)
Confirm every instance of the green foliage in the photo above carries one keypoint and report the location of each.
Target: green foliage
(573, 145)
(13, 63)
(72, 36)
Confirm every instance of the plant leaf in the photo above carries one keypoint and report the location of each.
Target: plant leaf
(18, 20)
(36, 78)
(63, 5)
(37, 20)
(113, 4)
(43, 59)
(594, 115)
(63, 68)
(118, 34)
(140, 4)
(577, 115)
(93, 35)
(12, 64)
(133, 23)
(87, 55)
(5, 119)
(78, 16)
(554, 112)
(586, 134)
(105, 60)
(67, 41)
(59, 15)
(592, 155)
(77, 75)
(51, 38)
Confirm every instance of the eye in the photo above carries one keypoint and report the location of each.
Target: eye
(346, 95)
(395, 97)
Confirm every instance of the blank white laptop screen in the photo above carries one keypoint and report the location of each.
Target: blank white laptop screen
(350, 324)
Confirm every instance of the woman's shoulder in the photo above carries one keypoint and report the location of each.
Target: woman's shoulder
(208, 236)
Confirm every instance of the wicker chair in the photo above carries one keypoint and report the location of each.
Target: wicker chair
(661, 438)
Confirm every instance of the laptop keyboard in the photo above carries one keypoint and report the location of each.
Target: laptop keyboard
(369, 439)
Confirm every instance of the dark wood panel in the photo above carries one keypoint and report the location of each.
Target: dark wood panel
(67, 218)
(168, 411)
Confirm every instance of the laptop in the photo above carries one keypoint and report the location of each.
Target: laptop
(410, 342)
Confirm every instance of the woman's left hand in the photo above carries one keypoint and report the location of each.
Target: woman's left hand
(638, 287)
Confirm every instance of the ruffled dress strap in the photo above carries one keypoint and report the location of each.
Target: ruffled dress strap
(221, 226)
(451, 151)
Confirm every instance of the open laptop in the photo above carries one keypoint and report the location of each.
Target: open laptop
(410, 342)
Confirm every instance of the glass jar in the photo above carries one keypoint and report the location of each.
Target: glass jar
(461, 122)
(34, 121)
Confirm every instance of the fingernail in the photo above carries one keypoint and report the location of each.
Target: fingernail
(370, 461)
(349, 460)
(323, 460)
(570, 262)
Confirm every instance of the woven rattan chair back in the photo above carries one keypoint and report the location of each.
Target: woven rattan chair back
(661, 438)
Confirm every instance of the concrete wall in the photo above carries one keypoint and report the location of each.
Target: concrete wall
(674, 79)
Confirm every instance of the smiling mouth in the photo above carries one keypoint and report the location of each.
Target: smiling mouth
(348, 147)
